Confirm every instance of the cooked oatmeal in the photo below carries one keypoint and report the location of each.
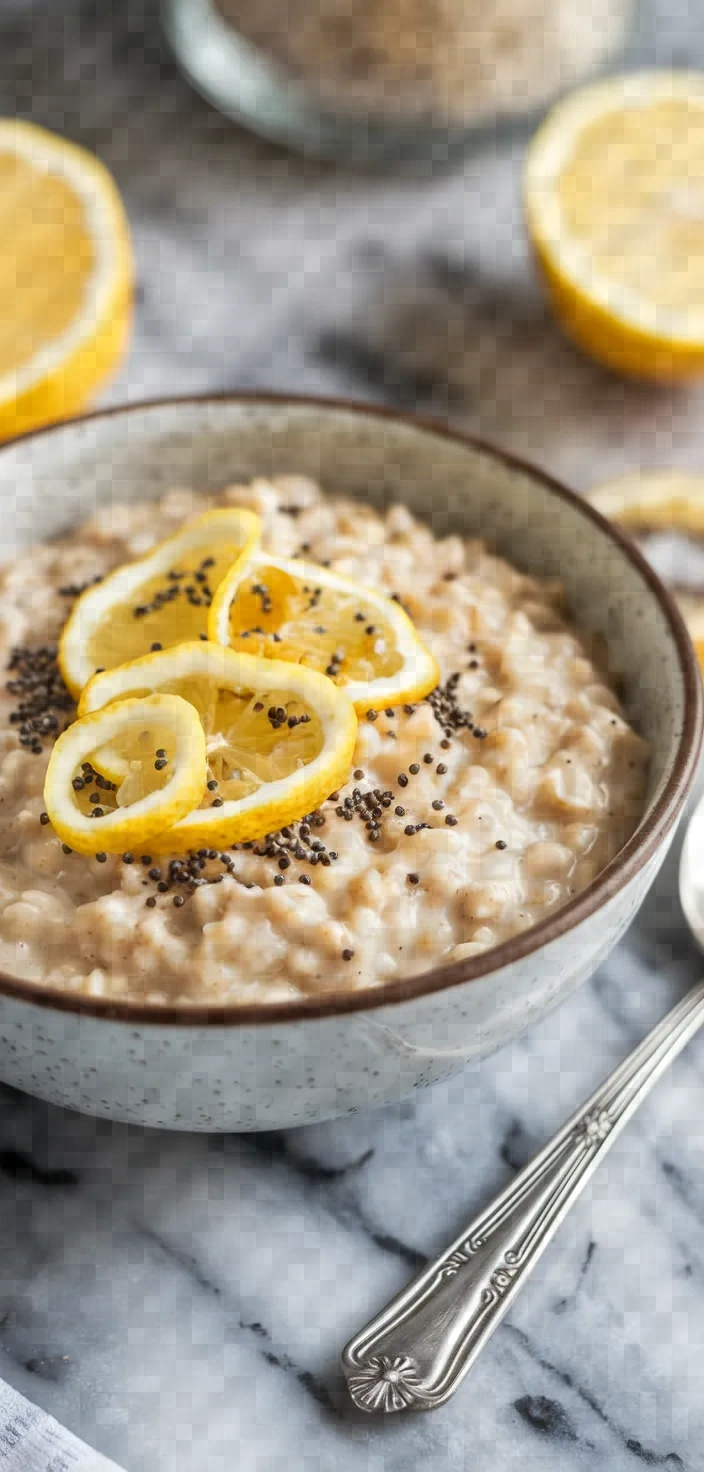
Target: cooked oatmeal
(466, 818)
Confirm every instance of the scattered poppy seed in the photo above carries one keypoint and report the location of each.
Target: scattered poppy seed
(101, 858)
(212, 785)
(304, 879)
(151, 902)
(43, 819)
(414, 769)
(438, 804)
(451, 820)
(160, 764)
(358, 774)
(161, 752)
(501, 843)
(65, 849)
(178, 901)
(400, 812)
(155, 646)
(402, 779)
(413, 878)
(279, 879)
(128, 858)
(441, 769)
(372, 715)
(347, 954)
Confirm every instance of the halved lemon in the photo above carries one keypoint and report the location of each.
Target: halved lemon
(279, 608)
(614, 195)
(163, 598)
(662, 501)
(279, 738)
(65, 276)
(164, 776)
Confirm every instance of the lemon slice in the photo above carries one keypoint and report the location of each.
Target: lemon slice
(65, 277)
(163, 598)
(661, 501)
(164, 777)
(279, 738)
(653, 500)
(280, 608)
(614, 195)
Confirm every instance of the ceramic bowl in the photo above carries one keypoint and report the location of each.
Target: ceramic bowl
(274, 1066)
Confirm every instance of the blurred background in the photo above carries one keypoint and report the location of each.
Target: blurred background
(256, 267)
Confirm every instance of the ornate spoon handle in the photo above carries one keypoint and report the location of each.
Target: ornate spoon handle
(416, 1352)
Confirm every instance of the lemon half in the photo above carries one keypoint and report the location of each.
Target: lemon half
(614, 197)
(65, 277)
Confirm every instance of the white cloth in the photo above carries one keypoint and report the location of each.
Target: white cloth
(32, 1441)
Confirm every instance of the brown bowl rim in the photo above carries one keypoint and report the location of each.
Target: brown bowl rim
(635, 854)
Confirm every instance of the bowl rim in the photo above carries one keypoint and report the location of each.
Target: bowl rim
(629, 861)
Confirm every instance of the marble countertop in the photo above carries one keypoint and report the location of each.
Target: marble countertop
(180, 1301)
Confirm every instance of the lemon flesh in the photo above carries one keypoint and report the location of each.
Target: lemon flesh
(614, 193)
(161, 599)
(279, 738)
(65, 277)
(162, 749)
(286, 609)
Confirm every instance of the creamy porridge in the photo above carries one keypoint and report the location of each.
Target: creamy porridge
(467, 816)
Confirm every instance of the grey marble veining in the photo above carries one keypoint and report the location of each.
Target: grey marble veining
(181, 1302)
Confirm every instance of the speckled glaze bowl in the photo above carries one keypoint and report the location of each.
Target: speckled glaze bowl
(282, 1065)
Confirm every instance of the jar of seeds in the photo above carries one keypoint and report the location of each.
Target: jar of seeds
(386, 81)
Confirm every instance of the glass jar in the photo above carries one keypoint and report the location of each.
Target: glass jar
(379, 81)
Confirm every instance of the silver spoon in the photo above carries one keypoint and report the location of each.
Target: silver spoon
(417, 1351)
